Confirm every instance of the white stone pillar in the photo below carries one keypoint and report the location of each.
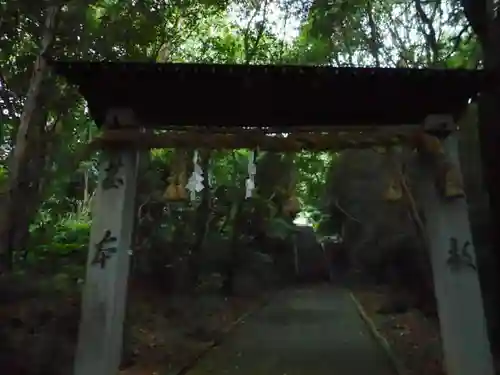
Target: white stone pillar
(104, 296)
(460, 305)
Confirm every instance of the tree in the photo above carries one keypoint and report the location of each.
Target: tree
(28, 142)
(48, 105)
(48, 180)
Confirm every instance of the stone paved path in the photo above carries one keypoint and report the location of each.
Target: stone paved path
(308, 331)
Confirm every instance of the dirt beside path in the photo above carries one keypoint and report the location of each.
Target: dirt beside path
(413, 337)
(167, 335)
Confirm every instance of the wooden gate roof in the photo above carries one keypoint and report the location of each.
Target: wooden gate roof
(163, 95)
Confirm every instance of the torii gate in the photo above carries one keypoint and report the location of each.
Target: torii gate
(130, 99)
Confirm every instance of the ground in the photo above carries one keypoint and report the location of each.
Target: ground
(304, 317)
(301, 331)
(413, 337)
(168, 335)
(38, 329)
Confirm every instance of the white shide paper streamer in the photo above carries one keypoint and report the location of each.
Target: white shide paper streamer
(252, 170)
(195, 182)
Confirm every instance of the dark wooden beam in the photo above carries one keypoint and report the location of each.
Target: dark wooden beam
(260, 95)
(250, 140)
(338, 129)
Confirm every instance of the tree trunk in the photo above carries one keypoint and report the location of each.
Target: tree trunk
(232, 264)
(23, 186)
(202, 221)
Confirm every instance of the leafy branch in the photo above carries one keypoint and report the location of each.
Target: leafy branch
(428, 31)
(251, 48)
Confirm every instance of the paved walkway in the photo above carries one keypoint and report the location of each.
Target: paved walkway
(309, 331)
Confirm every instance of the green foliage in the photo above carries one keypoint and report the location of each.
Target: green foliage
(3, 175)
(375, 32)
(72, 232)
(61, 242)
(312, 169)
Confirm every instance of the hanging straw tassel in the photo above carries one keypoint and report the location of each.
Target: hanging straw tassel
(394, 189)
(449, 181)
(171, 191)
(176, 190)
(427, 145)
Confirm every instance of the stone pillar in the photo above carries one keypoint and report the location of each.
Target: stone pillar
(460, 305)
(104, 295)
